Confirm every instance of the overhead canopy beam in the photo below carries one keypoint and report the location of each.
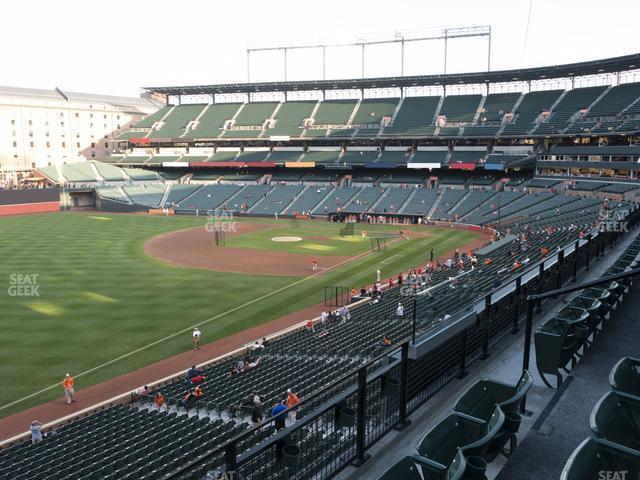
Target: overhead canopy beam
(594, 67)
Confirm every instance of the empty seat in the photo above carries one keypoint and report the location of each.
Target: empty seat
(481, 398)
(625, 376)
(617, 419)
(593, 457)
(458, 431)
(415, 467)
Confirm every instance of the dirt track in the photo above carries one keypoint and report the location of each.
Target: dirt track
(193, 247)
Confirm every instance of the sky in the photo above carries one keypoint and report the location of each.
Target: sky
(125, 45)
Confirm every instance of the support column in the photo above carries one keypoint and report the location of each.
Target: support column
(403, 422)
(361, 455)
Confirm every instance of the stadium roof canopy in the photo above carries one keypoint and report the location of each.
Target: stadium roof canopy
(593, 67)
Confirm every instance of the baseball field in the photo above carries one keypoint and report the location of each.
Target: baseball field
(99, 295)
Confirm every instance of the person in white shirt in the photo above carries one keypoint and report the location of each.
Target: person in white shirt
(196, 338)
(378, 274)
(323, 317)
(400, 311)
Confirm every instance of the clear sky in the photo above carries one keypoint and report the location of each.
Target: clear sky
(117, 46)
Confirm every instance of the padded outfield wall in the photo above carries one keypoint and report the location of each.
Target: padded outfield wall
(17, 202)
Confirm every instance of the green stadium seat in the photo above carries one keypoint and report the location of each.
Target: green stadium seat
(616, 418)
(415, 467)
(482, 397)
(625, 376)
(458, 431)
(593, 457)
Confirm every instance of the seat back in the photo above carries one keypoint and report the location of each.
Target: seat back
(442, 441)
(592, 457)
(522, 387)
(625, 376)
(477, 401)
(617, 420)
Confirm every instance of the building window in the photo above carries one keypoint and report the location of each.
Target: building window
(104, 116)
(31, 134)
(46, 134)
(15, 144)
(93, 145)
(93, 154)
(48, 144)
(91, 115)
(31, 144)
(117, 117)
(62, 124)
(13, 122)
(30, 123)
(77, 115)
(64, 145)
(78, 145)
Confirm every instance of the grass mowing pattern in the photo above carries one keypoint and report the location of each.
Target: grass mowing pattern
(102, 297)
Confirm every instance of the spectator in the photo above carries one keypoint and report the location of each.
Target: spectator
(36, 431)
(279, 418)
(400, 311)
(159, 401)
(196, 338)
(145, 390)
(187, 400)
(69, 392)
(257, 345)
(386, 341)
(245, 402)
(197, 392)
(378, 274)
(292, 401)
(324, 316)
(198, 379)
(193, 372)
(250, 365)
(256, 413)
(344, 314)
(310, 326)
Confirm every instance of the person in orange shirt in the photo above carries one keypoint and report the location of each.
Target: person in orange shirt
(69, 392)
(292, 401)
(197, 392)
(159, 401)
(310, 326)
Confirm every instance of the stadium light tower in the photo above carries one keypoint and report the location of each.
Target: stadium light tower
(444, 34)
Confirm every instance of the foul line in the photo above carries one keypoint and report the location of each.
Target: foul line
(180, 332)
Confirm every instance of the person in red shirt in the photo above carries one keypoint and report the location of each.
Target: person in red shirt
(315, 264)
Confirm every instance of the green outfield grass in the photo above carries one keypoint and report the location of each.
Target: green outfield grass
(100, 297)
